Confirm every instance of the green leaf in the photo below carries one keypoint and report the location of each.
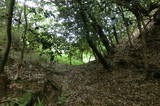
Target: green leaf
(25, 99)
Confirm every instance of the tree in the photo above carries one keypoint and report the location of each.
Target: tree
(9, 34)
(23, 38)
(3, 76)
(100, 32)
(126, 23)
(90, 42)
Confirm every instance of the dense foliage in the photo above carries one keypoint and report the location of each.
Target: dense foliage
(74, 30)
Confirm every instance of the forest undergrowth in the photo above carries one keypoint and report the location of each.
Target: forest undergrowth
(90, 84)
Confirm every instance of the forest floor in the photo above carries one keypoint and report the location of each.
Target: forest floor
(90, 84)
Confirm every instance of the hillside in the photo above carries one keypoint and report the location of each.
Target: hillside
(79, 53)
(90, 84)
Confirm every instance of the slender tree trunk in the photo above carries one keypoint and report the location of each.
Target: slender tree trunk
(3, 76)
(91, 43)
(23, 39)
(9, 34)
(129, 37)
(81, 55)
(104, 40)
(115, 33)
(100, 32)
(95, 50)
(70, 58)
(110, 38)
(90, 58)
(143, 40)
(19, 19)
(127, 28)
(146, 62)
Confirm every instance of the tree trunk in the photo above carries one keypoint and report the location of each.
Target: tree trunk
(139, 12)
(89, 60)
(23, 39)
(115, 33)
(19, 19)
(3, 76)
(110, 38)
(81, 56)
(100, 32)
(95, 50)
(90, 42)
(70, 58)
(143, 40)
(146, 62)
(126, 25)
(9, 34)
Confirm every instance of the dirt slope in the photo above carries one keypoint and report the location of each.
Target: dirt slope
(91, 85)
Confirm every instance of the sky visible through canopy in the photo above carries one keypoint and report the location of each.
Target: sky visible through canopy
(50, 21)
